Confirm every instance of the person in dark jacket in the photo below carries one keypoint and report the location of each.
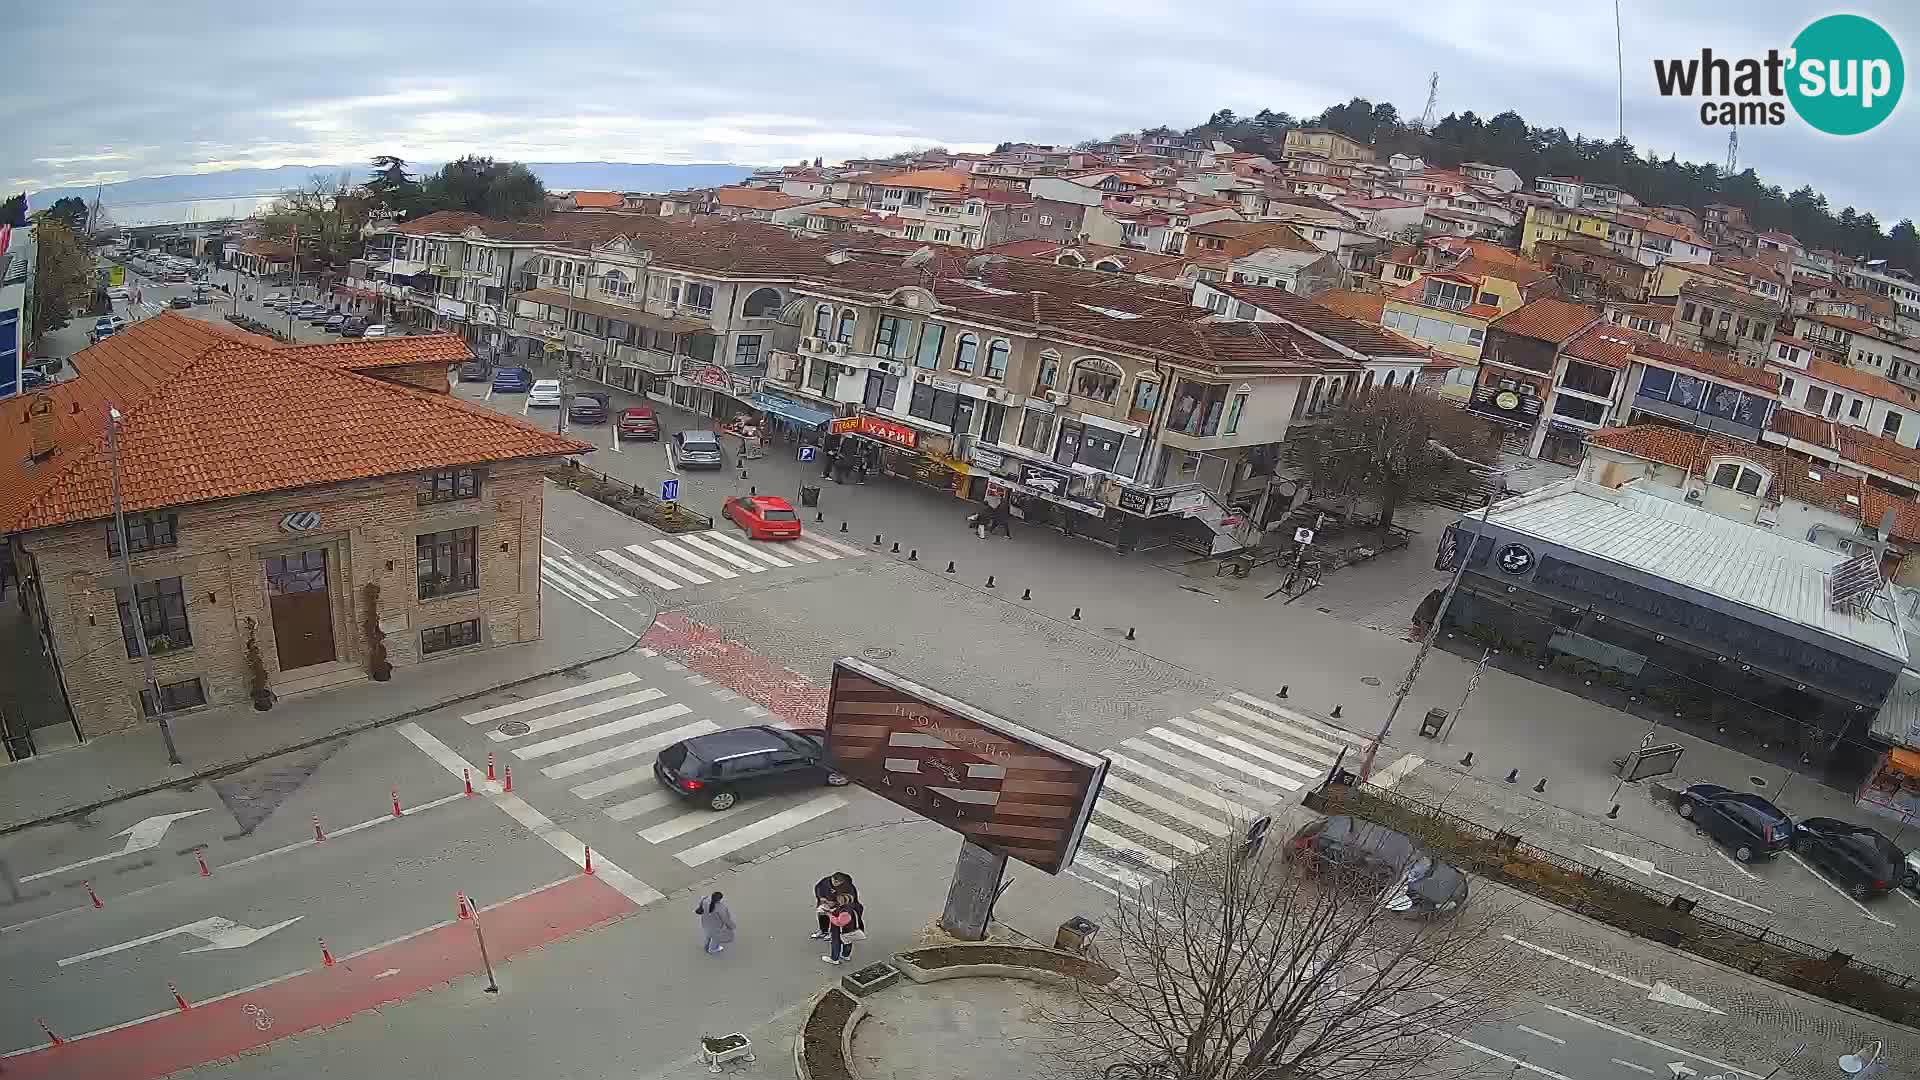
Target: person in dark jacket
(846, 923)
(825, 890)
(1000, 518)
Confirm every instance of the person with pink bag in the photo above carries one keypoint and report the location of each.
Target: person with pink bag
(846, 924)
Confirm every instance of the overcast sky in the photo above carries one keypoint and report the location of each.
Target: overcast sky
(100, 91)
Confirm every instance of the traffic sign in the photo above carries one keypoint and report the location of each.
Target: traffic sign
(669, 490)
(806, 453)
(1303, 535)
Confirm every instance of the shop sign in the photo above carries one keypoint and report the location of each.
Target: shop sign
(940, 383)
(889, 432)
(1516, 559)
(743, 386)
(1045, 480)
(1186, 502)
(710, 376)
(988, 459)
(1134, 502)
(1161, 504)
(300, 521)
(842, 425)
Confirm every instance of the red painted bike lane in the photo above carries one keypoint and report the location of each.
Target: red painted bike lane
(708, 652)
(326, 995)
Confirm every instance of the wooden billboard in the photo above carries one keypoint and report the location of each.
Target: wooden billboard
(999, 784)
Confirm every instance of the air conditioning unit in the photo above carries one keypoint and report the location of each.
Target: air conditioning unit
(810, 344)
(1058, 397)
(994, 393)
(1693, 495)
(891, 367)
(837, 348)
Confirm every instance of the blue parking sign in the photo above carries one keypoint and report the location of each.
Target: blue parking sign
(669, 490)
(806, 453)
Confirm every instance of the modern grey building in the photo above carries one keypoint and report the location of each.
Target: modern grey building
(16, 304)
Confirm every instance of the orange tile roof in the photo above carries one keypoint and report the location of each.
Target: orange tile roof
(1877, 452)
(1546, 320)
(1606, 344)
(1365, 306)
(598, 200)
(1860, 382)
(1874, 504)
(1803, 427)
(929, 179)
(745, 198)
(367, 353)
(1842, 322)
(211, 415)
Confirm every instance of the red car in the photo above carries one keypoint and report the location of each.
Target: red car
(763, 517)
(638, 423)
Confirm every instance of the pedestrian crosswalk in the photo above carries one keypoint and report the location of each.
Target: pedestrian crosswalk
(674, 563)
(600, 738)
(1193, 781)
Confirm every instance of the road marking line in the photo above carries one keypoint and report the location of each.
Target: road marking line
(1579, 963)
(1133, 879)
(1392, 775)
(1908, 899)
(536, 822)
(583, 712)
(581, 567)
(699, 680)
(641, 572)
(1109, 839)
(553, 566)
(601, 731)
(1837, 889)
(824, 541)
(801, 545)
(1298, 717)
(1107, 809)
(627, 750)
(691, 821)
(705, 564)
(346, 831)
(386, 974)
(1735, 863)
(1631, 1065)
(669, 565)
(541, 701)
(645, 804)
(1537, 1033)
(760, 830)
(704, 542)
(1267, 737)
(1248, 748)
(555, 543)
(1178, 786)
(797, 554)
(1291, 731)
(741, 545)
(1193, 768)
(1657, 1044)
(1145, 796)
(614, 782)
(560, 584)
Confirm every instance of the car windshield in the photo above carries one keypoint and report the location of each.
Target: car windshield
(779, 515)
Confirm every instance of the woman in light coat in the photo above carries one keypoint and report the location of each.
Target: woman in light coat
(716, 923)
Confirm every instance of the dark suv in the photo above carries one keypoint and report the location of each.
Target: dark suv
(717, 768)
(1861, 859)
(1753, 827)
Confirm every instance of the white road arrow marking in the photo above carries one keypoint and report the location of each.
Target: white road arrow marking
(1680, 1069)
(1656, 991)
(140, 836)
(1646, 868)
(218, 933)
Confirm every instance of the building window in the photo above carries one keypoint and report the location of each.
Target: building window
(890, 337)
(438, 639)
(1591, 412)
(964, 352)
(1891, 425)
(1049, 376)
(186, 694)
(1816, 399)
(1146, 395)
(163, 615)
(446, 563)
(822, 321)
(746, 351)
(1096, 379)
(1587, 379)
(935, 406)
(1036, 431)
(845, 334)
(1853, 410)
(1046, 219)
(1686, 313)
(1745, 479)
(1786, 389)
(1238, 405)
(995, 419)
(1489, 299)
(154, 531)
(941, 236)
(882, 389)
(698, 297)
(997, 353)
(449, 485)
(762, 304)
(932, 336)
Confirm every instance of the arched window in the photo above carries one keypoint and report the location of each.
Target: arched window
(1069, 258)
(997, 354)
(762, 304)
(845, 334)
(965, 352)
(1313, 403)
(822, 321)
(615, 283)
(1111, 266)
(1096, 378)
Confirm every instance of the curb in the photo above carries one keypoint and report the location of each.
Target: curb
(227, 767)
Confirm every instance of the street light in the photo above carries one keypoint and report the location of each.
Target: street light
(1433, 629)
(1867, 1061)
(133, 598)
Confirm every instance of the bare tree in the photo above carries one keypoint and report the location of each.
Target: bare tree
(1378, 444)
(1258, 967)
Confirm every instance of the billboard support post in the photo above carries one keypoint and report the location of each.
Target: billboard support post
(975, 886)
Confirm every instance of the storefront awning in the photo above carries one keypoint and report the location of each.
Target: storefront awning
(790, 410)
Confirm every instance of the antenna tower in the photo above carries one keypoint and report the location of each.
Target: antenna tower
(1733, 151)
(1433, 101)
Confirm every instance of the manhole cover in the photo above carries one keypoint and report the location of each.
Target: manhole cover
(1757, 781)
(513, 727)
(1370, 680)
(877, 654)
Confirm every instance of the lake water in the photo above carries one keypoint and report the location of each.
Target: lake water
(167, 213)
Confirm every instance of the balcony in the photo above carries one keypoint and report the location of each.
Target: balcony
(543, 329)
(650, 360)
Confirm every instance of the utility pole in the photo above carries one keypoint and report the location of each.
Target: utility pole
(133, 598)
(293, 242)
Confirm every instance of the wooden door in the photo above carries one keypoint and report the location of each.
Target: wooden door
(301, 607)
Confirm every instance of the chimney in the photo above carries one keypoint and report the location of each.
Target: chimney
(40, 427)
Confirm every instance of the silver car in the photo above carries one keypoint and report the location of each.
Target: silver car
(698, 449)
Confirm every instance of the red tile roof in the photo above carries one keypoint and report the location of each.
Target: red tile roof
(1365, 306)
(211, 415)
(930, 179)
(745, 198)
(598, 200)
(1860, 382)
(1314, 317)
(1842, 322)
(1546, 320)
(367, 353)
(1606, 344)
(1802, 426)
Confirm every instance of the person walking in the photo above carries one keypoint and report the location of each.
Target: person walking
(846, 924)
(716, 923)
(1000, 518)
(838, 883)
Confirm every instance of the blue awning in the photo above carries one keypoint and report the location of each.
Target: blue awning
(791, 410)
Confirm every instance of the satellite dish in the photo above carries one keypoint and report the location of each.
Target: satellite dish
(921, 257)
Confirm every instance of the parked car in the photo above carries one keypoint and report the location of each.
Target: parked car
(319, 316)
(354, 327)
(118, 292)
(698, 450)
(544, 394)
(333, 323)
(1911, 879)
(1753, 827)
(275, 300)
(638, 422)
(507, 380)
(106, 326)
(1860, 859)
(375, 330)
(34, 378)
(588, 408)
(717, 768)
(474, 371)
(762, 517)
(181, 302)
(1374, 856)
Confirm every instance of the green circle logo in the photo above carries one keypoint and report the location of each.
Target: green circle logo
(1847, 74)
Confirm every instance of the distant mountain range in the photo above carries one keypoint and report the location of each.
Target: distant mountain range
(241, 183)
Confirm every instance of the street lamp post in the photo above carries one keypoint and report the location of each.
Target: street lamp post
(133, 597)
(1446, 599)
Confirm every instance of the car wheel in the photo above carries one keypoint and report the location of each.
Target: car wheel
(1858, 890)
(1686, 809)
(720, 800)
(1743, 853)
(835, 779)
